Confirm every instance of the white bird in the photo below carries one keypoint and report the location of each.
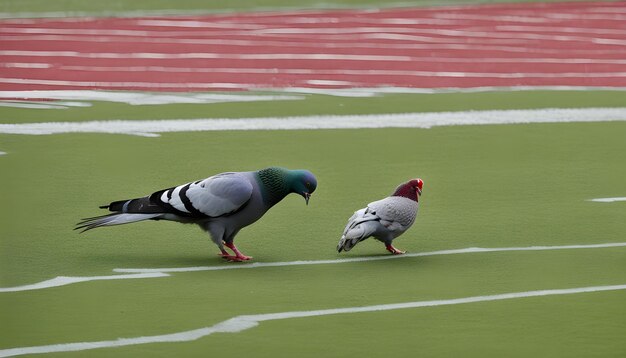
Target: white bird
(384, 219)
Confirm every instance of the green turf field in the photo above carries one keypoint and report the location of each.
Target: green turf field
(485, 186)
(117, 7)
(488, 186)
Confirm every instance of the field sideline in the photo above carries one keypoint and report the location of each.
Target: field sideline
(518, 248)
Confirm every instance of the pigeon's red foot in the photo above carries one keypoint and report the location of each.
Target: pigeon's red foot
(231, 258)
(238, 257)
(394, 251)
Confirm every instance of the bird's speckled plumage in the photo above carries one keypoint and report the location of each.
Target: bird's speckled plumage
(385, 219)
(222, 204)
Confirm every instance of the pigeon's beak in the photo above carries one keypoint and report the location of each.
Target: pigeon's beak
(307, 196)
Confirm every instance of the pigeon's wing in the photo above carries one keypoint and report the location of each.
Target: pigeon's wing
(395, 213)
(361, 225)
(218, 195)
(360, 216)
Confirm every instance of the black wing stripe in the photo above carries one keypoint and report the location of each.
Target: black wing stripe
(165, 207)
(188, 205)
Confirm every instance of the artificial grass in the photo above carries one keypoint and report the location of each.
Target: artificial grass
(484, 185)
(324, 104)
(121, 7)
(488, 186)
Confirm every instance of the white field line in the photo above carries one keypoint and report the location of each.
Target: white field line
(250, 86)
(133, 273)
(31, 105)
(241, 323)
(608, 200)
(469, 250)
(139, 98)
(259, 86)
(147, 98)
(151, 128)
(42, 104)
(68, 280)
(370, 92)
(143, 98)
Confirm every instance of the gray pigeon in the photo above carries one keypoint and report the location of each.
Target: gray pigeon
(384, 219)
(222, 204)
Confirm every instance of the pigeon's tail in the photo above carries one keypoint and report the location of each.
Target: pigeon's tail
(124, 212)
(355, 234)
(113, 219)
(145, 205)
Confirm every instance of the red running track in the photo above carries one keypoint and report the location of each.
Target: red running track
(554, 44)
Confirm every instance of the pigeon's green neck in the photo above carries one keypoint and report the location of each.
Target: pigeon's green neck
(275, 184)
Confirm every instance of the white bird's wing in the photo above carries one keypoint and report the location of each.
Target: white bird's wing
(360, 216)
(396, 213)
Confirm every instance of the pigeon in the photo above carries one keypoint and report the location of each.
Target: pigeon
(384, 219)
(221, 205)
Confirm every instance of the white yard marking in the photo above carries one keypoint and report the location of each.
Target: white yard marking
(241, 323)
(31, 105)
(160, 272)
(43, 104)
(151, 128)
(144, 98)
(468, 250)
(68, 280)
(370, 92)
(608, 200)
